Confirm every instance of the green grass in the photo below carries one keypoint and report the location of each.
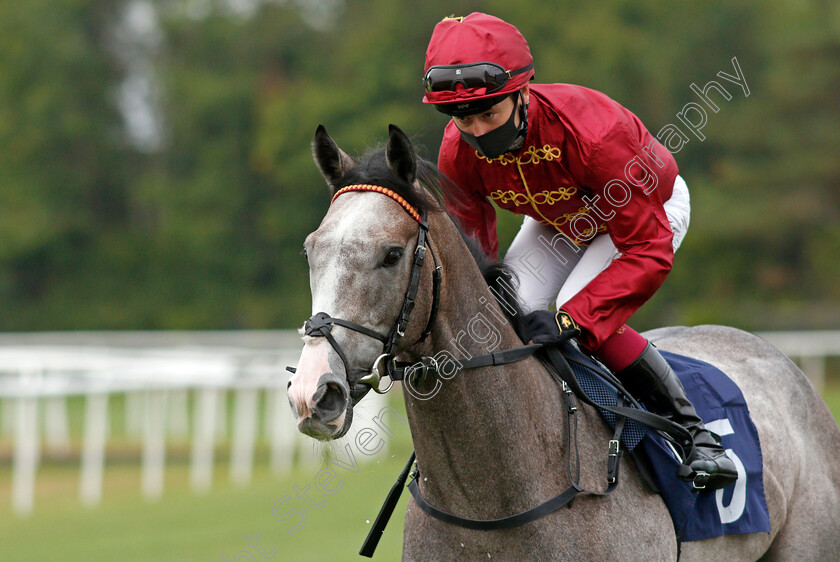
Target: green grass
(185, 526)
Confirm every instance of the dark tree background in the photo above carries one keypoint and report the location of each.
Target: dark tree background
(155, 170)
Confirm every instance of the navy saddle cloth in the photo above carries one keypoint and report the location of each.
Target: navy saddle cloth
(740, 508)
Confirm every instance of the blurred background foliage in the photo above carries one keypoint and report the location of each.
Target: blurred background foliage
(155, 170)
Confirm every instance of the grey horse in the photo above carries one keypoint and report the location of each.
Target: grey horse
(490, 441)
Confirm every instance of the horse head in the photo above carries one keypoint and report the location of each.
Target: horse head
(361, 259)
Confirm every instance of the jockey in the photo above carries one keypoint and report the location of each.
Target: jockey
(604, 206)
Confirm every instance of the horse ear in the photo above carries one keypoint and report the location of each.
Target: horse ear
(331, 160)
(399, 154)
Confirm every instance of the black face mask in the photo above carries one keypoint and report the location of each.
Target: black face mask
(499, 140)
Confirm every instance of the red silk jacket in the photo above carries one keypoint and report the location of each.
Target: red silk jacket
(588, 166)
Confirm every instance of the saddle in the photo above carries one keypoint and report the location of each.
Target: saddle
(740, 508)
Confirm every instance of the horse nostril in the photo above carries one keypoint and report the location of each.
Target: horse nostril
(333, 398)
(330, 401)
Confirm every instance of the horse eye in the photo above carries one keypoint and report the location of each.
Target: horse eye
(392, 257)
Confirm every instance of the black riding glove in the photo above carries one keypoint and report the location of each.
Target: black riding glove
(547, 327)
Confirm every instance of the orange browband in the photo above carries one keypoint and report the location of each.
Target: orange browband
(384, 191)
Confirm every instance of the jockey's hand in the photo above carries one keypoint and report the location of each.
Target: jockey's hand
(550, 328)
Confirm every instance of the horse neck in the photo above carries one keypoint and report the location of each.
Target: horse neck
(488, 430)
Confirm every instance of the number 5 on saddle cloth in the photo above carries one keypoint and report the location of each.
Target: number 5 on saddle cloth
(740, 508)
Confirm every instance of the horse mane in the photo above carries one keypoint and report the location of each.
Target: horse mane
(502, 282)
(372, 168)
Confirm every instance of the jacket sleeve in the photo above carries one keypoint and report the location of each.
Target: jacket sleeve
(639, 229)
(464, 200)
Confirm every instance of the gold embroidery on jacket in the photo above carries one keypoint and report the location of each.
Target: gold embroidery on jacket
(536, 155)
(586, 235)
(510, 196)
(540, 198)
(563, 219)
(532, 155)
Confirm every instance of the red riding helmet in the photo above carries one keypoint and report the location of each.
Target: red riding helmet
(473, 62)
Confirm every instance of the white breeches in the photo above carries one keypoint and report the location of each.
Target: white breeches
(549, 269)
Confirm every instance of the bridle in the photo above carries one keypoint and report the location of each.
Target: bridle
(321, 323)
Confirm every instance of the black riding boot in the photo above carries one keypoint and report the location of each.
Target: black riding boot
(652, 380)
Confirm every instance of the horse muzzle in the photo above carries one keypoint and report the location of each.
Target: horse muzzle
(320, 396)
(321, 409)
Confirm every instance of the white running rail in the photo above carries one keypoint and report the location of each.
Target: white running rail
(158, 373)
